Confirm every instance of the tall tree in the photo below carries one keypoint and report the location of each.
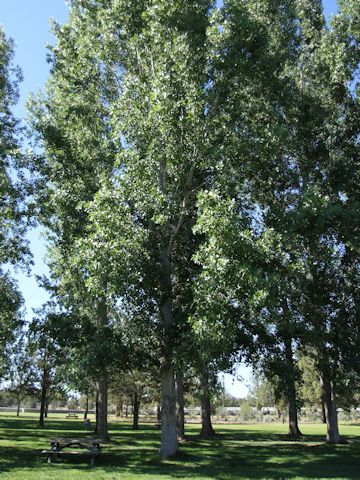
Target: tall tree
(72, 125)
(281, 192)
(158, 172)
(13, 248)
(326, 146)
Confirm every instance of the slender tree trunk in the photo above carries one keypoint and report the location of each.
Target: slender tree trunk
(169, 443)
(44, 389)
(46, 407)
(180, 407)
(126, 410)
(323, 413)
(136, 409)
(332, 435)
(207, 430)
(119, 407)
(96, 410)
(102, 381)
(18, 407)
(294, 430)
(86, 407)
(102, 409)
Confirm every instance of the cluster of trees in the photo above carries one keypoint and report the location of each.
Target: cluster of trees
(199, 185)
(266, 396)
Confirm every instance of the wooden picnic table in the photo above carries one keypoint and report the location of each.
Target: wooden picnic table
(72, 415)
(92, 447)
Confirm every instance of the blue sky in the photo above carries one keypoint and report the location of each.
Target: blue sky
(27, 22)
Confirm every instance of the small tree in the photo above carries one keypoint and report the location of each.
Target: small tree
(48, 353)
(23, 376)
(136, 386)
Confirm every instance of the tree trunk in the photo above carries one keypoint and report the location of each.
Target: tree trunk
(119, 407)
(44, 388)
(102, 409)
(102, 380)
(323, 414)
(180, 407)
(136, 409)
(18, 407)
(96, 409)
(294, 430)
(46, 407)
(332, 435)
(206, 426)
(169, 443)
(86, 407)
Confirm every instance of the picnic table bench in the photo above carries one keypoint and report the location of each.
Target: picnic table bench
(84, 446)
(72, 415)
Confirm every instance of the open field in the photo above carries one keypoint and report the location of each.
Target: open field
(238, 452)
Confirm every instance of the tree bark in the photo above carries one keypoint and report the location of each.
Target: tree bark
(18, 407)
(169, 443)
(46, 407)
(96, 409)
(207, 430)
(332, 435)
(323, 413)
(136, 409)
(102, 381)
(86, 407)
(294, 430)
(102, 409)
(180, 407)
(44, 389)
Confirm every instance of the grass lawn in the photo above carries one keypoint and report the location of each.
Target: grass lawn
(238, 452)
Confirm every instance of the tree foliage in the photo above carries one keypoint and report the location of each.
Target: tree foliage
(199, 184)
(13, 248)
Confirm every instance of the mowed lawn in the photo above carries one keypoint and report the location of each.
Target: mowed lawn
(237, 452)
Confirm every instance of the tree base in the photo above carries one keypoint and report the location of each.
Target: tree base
(165, 455)
(207, 435)
(294, 436)
(341, 441)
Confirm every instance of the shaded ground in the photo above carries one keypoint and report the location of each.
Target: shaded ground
(237, 452)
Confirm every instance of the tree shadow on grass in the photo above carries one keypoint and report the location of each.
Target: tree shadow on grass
(231, 455)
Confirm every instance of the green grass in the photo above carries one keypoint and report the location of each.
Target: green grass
(237, 452)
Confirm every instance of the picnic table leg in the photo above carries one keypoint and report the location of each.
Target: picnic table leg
(52, 457)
